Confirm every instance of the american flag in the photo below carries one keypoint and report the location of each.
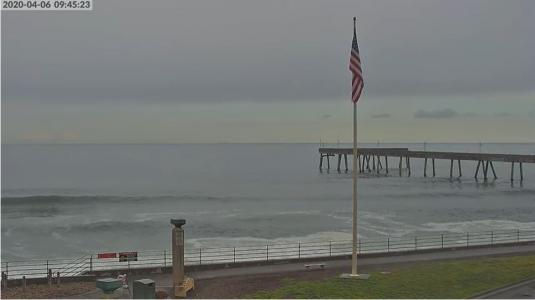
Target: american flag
(355, 68)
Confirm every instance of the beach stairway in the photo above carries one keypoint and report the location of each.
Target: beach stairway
(77, 266)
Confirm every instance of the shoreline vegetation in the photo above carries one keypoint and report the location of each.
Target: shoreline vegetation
(43, 291)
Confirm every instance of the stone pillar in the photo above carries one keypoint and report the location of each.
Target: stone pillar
(181, 283)
(178, 251)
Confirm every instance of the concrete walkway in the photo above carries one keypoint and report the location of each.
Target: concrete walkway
(164, 282)
(370, 261)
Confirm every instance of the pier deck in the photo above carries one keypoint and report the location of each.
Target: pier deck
(376, 156)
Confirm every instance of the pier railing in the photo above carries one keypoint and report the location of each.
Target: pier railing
(270, 252)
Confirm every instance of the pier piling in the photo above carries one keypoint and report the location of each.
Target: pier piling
(400, 165)
(485, 169)
(512, 170)
(493, 171)
(379, 164)
(477, 169)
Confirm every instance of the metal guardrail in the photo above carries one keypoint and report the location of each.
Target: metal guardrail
(271, 252)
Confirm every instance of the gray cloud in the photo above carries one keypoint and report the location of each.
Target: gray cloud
(202, 51)
(442, 114)
(436, 114)
(469, 114)
(503, 114)
(380, 116)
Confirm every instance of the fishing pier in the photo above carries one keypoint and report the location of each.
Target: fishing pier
(376, 160)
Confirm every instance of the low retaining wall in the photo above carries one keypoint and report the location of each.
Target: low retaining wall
(80, 278)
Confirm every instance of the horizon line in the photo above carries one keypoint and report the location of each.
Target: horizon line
(256, 143)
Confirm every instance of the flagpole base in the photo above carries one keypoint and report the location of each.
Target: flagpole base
(354, 276)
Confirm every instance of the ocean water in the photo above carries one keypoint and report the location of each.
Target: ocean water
(69, 200)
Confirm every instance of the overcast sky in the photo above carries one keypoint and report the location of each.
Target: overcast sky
(269, 71)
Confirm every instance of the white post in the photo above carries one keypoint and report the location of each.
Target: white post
(354, 254)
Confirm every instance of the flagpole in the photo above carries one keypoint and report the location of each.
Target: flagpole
(354, 272)
(355, 174)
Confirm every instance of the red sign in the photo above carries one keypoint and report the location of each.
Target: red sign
(127, 256)
(107, 255)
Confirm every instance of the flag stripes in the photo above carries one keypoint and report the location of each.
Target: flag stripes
(356, 69)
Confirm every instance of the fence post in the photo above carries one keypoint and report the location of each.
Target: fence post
(24, 283)
(442, 239)
(234, 254)
(388, 244)
(7, 269)
(91, 263)
(330, 248)
(299, 251)
(58, 278)
(128, 260)
(267, 252)
(415, 243)
(492, 238)
(47, 270)
(518, 235)
(164, 258)
(49, 277)
(4, 280)
(467, 238)
(200, 256)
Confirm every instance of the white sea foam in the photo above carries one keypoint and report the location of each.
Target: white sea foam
(253, 241)
(476, 225)
(374, 224)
